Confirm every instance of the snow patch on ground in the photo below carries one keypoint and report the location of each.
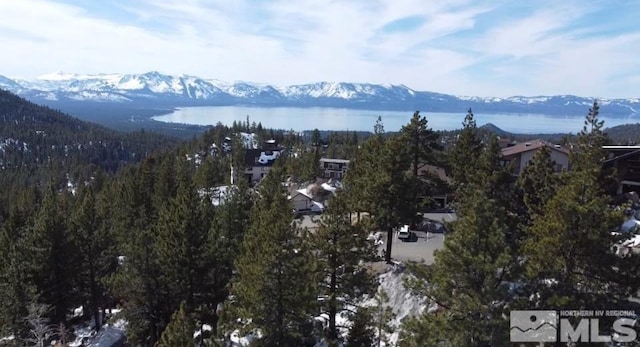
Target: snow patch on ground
(403, 303)
(242, 341)
(111, 334)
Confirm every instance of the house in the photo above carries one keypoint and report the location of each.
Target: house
(334, 168)
(626, 161)
(258, 162)
(302, 201)
(520, 154)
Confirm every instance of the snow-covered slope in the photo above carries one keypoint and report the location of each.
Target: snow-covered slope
(154, 87)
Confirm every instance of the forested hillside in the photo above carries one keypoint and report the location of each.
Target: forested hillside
(38, 144)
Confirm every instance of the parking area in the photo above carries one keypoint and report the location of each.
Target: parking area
(419, 248)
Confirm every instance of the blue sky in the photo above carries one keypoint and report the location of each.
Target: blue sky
(463, 47)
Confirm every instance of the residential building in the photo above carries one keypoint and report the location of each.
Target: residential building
(303, 201)
(626, 161)
(258, 162)
(312, 198)
(334, 168)
(520, 154)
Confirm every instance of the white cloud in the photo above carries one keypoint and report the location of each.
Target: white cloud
(281, 42)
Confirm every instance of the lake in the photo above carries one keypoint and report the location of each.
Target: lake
(326, 118)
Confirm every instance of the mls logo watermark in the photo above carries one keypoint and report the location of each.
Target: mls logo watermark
(571, 326)
(534, 326)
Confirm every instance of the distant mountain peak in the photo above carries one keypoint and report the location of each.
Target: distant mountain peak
(57, 76)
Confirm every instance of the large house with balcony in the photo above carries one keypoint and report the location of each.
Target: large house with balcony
(626, 161)
(258, 162)
(520, 154)
(334, 168)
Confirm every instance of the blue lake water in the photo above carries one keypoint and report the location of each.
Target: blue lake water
(325, 118)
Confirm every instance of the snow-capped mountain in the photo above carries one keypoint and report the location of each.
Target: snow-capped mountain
(156, 89)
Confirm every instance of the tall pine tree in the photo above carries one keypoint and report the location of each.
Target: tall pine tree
(340, 248)
(274, 285)
(50, 268)
(464, 153)
(468, 281)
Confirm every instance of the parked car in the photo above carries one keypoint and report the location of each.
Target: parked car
(428, 226)
(404, 233)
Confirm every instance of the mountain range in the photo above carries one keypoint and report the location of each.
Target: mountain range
(153, 89)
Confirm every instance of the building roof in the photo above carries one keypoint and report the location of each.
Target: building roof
(437, 171)
(260, 157)
(628, 155)
(523, 147)
(331, 160)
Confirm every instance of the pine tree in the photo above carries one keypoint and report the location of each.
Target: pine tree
(465, 152)
(179, 331)
(238, 158)
(50, 265)
(209, 173)
(339, 248)
(382, 315)
(15, 291)
(316, 138)
(538, 182)
(137, 282)
(224, 242)
(274, 284)
(422, 144)
(468, 281)
(380, 183)
(181, 241)
(93, 245)
(361, 332)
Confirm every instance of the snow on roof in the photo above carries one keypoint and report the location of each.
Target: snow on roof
(317, 207)
(328, 187)
(304, 192)
(632, 242)
(266, 158)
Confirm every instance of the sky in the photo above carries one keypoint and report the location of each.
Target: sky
(463, 47)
